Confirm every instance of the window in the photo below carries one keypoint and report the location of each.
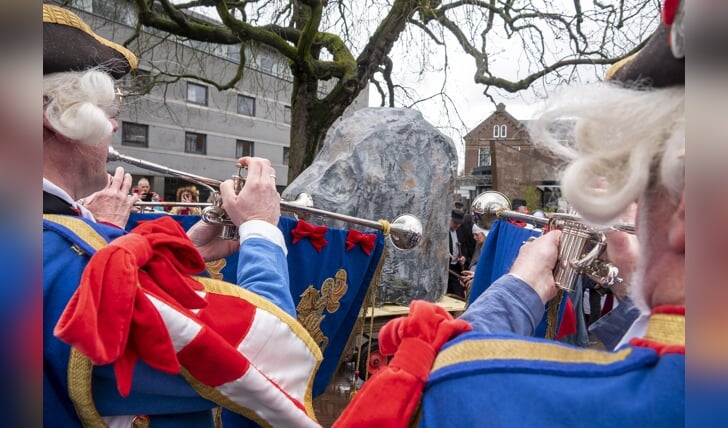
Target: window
(484, 156)
(503, 131)
(134, 134)
(287, 114)
(117, 11)
(285, 155)
(233, 53)
(266, 63)
(195, 143)
(244, 148)
(246, 105)
(197, 94)
(496, 131)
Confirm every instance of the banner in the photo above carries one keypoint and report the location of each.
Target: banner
(499, 251)
(330, 272)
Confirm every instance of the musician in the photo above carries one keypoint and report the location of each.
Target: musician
(630, 132)
(79, 110)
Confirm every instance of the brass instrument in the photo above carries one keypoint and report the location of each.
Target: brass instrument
(405, 231)
(575, 255)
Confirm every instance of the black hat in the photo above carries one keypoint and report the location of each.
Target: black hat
(457, 216)
(69, 44)
(516, 203)
(661, 62)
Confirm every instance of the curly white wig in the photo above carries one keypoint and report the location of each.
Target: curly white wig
(78, 104)
(622, 138)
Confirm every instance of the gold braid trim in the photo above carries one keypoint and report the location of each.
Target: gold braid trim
(552, 319)
(504, 349)
(666, 328)
(79, 227)
(56, 15)
(79, 389)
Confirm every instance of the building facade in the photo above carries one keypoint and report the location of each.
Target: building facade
(499, 156)
(185, 123)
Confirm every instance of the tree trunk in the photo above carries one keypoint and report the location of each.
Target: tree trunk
(310, 120)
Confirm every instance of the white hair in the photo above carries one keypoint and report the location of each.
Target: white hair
(77, 104)
(620, 137)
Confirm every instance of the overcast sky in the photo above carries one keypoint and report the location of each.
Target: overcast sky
(467, 97)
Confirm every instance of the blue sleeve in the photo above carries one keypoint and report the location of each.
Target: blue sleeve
(263, 270)
(509, 305)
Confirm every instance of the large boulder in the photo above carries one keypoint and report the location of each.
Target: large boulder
(379, 163)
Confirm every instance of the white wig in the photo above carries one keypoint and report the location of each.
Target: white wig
(77, 104)
(620, 137)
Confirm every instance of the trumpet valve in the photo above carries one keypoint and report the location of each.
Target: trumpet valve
(238, 181)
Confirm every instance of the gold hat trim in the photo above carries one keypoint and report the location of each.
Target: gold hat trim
(56, 15)
(618, 65)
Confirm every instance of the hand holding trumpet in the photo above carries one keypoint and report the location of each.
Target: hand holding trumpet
(257, 200)
(535, 264)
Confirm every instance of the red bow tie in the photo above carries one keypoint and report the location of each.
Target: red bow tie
(365, 240)
(315, 234)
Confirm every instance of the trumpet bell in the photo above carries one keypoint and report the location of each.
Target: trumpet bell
(488, 206)
(405, 232)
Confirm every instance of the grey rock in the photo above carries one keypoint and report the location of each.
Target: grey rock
(380, 163)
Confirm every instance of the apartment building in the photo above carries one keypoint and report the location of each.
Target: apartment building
(186, 123)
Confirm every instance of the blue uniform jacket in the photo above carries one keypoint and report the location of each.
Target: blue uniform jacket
(167, 399)
(510, 381)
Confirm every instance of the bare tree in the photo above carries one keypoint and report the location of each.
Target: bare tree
(342, 45)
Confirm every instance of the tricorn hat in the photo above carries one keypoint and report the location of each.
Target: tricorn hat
(661, 62)
(69, 44)
(457, 216)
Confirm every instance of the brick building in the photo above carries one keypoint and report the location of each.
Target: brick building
(499, 156)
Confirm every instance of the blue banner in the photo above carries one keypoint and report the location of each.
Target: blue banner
(499, 251)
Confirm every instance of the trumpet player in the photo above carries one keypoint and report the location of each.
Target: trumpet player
(629, 133)
(136, 378)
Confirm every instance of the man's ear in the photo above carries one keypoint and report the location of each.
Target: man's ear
(676, 234)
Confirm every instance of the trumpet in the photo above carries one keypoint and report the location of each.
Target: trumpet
(405, 231)
(580, 246)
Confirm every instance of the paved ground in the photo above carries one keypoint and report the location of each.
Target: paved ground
(331, 403)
